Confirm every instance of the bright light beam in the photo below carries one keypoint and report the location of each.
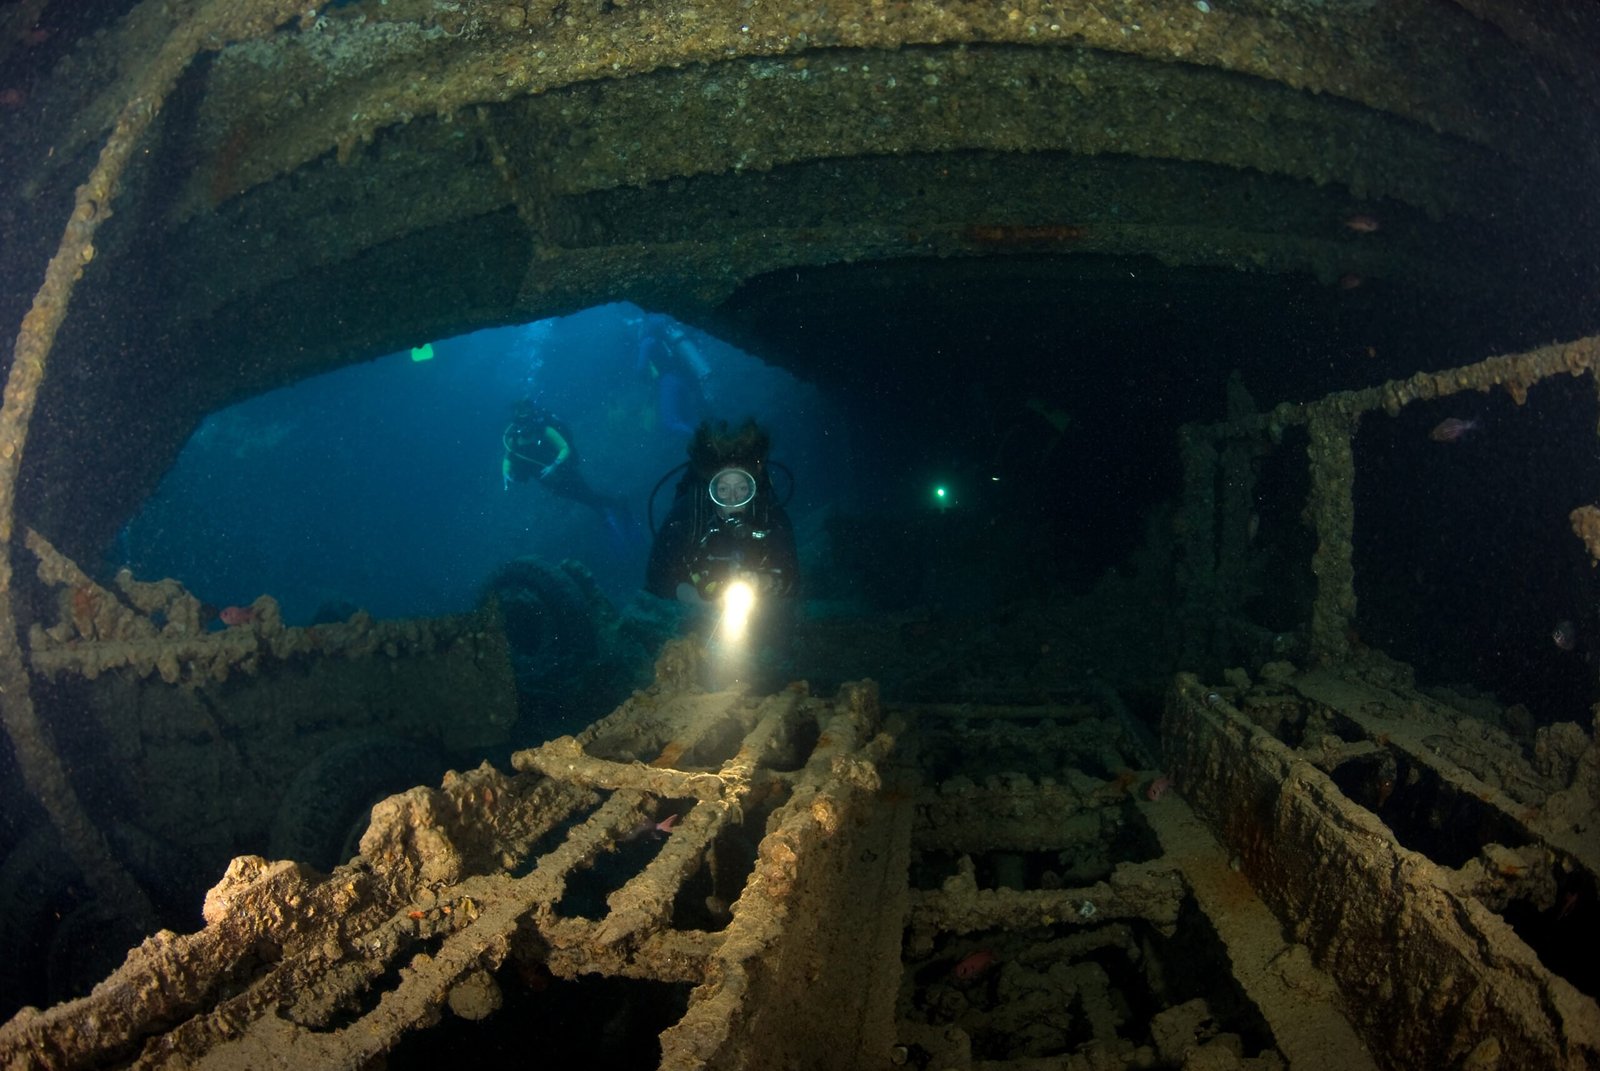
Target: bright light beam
(737, 603)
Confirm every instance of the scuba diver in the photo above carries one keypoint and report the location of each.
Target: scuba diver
(672, 360)
(539, 446)
(725, 522)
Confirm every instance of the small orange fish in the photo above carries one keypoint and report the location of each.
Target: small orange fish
(654, 830)
(1568, 902)
(973, 965)
(1350, 280)
(236, 615)
(1362, 224)
(1158, 788)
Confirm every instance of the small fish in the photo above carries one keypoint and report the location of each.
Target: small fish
(12, 98)
(1362, 223)
(1451, 429)
(1565, 635)
(236, 615)
(1350, 280)
(973, 965)
(654, 830)
(1568, 902)
(1158, 788)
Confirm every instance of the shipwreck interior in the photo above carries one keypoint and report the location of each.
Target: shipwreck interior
(1244, 719)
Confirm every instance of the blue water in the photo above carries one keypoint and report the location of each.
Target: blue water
(379, 485)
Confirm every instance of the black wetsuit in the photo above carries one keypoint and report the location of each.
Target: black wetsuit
(696, 543)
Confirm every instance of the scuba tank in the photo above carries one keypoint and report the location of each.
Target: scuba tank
(679, 342)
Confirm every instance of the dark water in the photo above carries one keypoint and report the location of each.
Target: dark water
(1466, 562)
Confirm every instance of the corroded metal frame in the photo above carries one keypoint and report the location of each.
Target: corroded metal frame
(1332, 423)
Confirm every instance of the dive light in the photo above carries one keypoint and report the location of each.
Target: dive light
(738, 601)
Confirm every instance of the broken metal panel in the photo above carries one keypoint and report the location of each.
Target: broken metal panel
(1430, 972)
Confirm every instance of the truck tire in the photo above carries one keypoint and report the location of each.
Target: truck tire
(328, 804)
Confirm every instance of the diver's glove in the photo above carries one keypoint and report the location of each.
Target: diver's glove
(548, 469)
(708, 582)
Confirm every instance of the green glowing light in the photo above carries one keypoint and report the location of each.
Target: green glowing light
(422, 353)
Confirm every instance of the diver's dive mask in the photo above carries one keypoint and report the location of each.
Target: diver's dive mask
(732, 489)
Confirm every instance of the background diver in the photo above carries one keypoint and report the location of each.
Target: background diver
(677, 368)
(539, 446)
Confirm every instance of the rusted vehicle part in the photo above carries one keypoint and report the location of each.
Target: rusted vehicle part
(158, 629)
(211, 727)
(443, 893)
(1423, 859)
(574, 654)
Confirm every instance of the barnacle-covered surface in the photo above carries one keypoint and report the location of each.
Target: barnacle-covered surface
(978, 884)
(452, 882)
(158, 628)
(1432, 848)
